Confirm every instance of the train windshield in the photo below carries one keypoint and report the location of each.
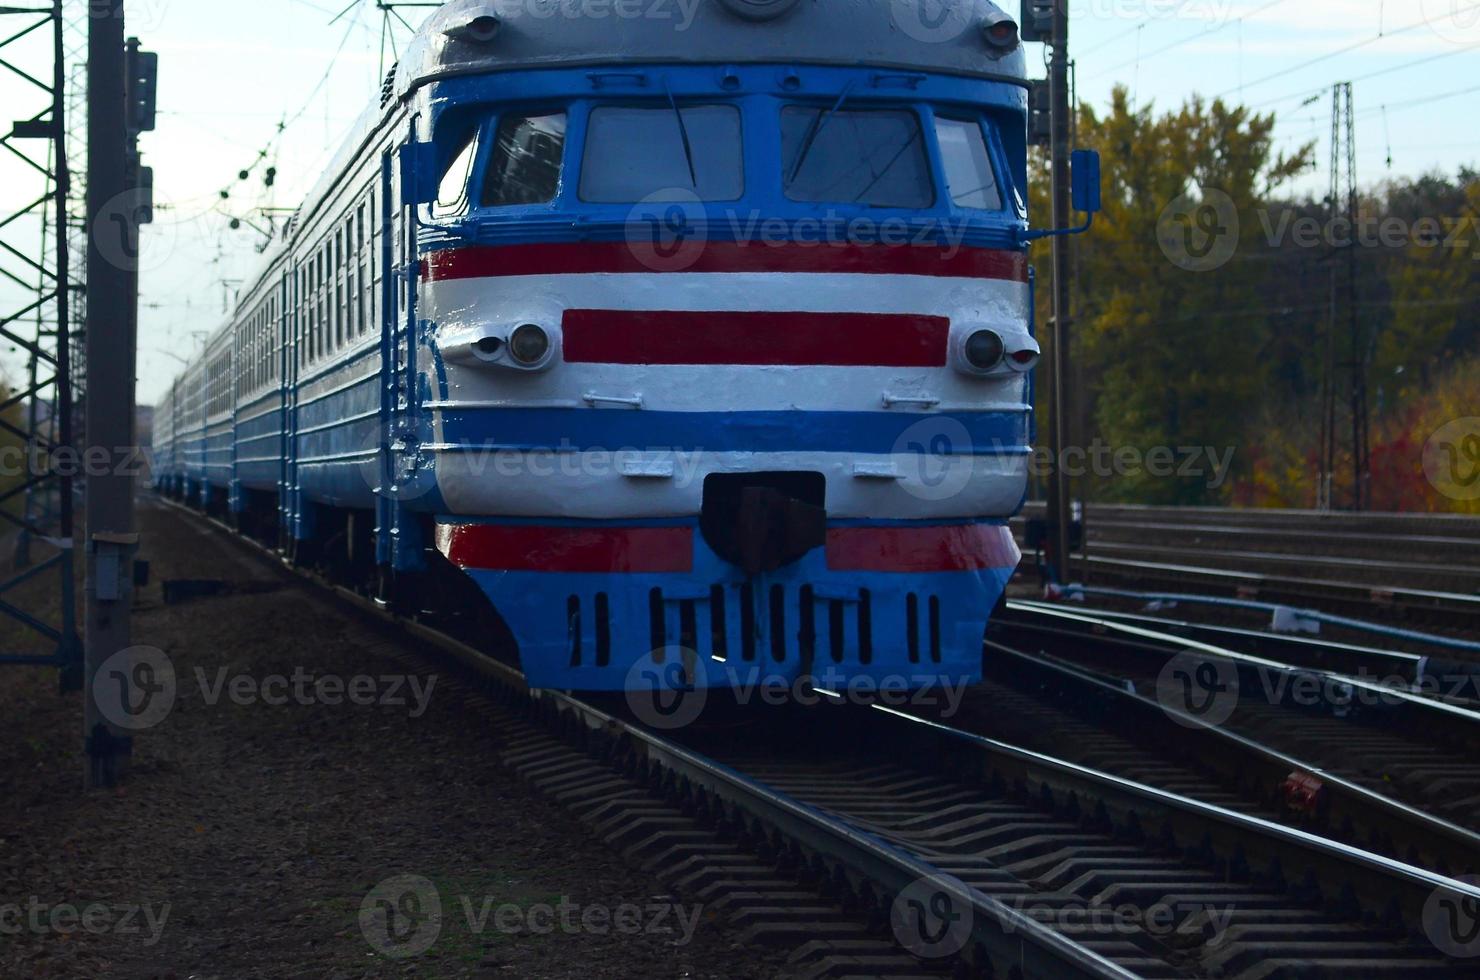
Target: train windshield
(874, 157)
(527, 155)
(633, 152)
(968, 166)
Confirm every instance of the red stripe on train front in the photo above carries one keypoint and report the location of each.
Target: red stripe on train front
(567, 549)
(939, 548)
(671, 337)
(478, 262)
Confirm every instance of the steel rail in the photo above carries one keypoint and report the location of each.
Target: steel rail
(1343, 809)
(1004, 933)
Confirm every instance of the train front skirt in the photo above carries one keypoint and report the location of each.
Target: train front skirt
(598, 606)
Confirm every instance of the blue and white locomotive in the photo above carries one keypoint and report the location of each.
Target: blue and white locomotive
(691, 332)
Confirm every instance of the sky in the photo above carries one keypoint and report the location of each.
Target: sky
(232, 75)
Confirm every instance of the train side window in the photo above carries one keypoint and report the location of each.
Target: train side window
(874, 157)
(632, 152)
(968, 166)
(528, 151)
(452, 195)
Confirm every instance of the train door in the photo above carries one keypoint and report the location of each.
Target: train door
(403, 475)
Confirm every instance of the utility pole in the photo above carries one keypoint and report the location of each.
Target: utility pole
(112, 252)
(1048, 21)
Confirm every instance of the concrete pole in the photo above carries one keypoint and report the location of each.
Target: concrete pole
(1060, 494)
(112, 251)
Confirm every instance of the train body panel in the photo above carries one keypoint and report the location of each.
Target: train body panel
(709, 350)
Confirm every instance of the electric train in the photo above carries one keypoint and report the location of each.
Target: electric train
(697, 333)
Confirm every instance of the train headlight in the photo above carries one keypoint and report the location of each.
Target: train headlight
(529, 345)
(984, 350)
(1000, 31)
(478, 30)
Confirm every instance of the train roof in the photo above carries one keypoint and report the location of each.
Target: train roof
(473, 36)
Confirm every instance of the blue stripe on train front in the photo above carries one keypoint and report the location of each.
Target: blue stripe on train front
(576, 429)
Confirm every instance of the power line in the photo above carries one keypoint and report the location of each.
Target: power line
(1425, 60)
(1186, 40)
(1341, 51)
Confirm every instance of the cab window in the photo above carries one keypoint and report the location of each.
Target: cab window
(634, 151)
(874, 157)
(452, 193)
(528, 153)
(968, 166)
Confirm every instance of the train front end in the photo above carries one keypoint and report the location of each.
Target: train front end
(728, 340)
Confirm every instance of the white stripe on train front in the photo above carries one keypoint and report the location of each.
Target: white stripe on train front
(634, 484)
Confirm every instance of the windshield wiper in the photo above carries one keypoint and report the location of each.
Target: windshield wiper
(815, 131)
(683, 132)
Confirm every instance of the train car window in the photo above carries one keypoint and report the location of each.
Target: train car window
(855, 156)
(632, 152)
(527, 155)
(968, 166)
(452, 196)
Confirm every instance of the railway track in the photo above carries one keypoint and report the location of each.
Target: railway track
(1341, 563)
(883, 845)
(1453, 681)
(1415, 749)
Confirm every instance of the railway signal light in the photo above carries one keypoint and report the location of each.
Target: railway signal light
(1038, 20)
(1040, 114)
(143, 88)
